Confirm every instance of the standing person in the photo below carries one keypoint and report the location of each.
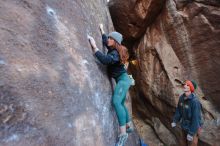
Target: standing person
(115, 60)
(188, 113)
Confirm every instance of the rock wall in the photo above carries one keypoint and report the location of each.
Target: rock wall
(180, 42)
(53, 92)
(132, 17)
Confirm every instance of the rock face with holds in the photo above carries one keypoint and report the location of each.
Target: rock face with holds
(180, 42)
(52, 90)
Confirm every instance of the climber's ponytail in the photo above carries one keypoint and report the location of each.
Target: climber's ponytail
(123, 52)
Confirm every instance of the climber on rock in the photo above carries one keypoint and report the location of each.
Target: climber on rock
(188, 113)
(115, 59)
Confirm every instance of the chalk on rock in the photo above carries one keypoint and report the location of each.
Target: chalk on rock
(2, 62)
(50, 11)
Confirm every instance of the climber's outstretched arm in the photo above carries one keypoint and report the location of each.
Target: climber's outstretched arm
(104, 37)
(92, 41)
(110, 58)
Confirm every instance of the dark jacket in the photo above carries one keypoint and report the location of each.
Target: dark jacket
(111, 59)
(188, 113)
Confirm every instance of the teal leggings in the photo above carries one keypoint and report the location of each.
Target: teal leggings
(123, 82)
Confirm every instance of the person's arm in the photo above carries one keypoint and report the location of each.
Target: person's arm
(177, 114)
(105, 40)
(110, 58)
(196, 110)
(104, 36)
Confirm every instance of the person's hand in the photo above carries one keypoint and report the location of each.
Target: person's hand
(101, 28)
(199, 130)
(92, 43)
(189, 137)
(173, 124)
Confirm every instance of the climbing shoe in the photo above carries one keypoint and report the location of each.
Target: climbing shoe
(122, 139)
(129, 129)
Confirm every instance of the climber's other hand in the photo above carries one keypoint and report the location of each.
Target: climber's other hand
(92, 43)
(101, 28)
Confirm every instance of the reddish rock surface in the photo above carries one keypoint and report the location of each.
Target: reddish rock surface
(53, 92)
(181, 42)
(132, 17)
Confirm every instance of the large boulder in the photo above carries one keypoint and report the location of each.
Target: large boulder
(53, 92)
(132, 17)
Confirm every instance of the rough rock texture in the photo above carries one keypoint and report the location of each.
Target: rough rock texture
(181, 43)
(132, 17)
(53, 92)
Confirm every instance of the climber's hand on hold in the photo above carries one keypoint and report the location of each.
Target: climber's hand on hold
(92, 43)
(101, 28)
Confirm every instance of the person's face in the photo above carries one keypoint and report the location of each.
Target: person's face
(111, 42)
(186, 88)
